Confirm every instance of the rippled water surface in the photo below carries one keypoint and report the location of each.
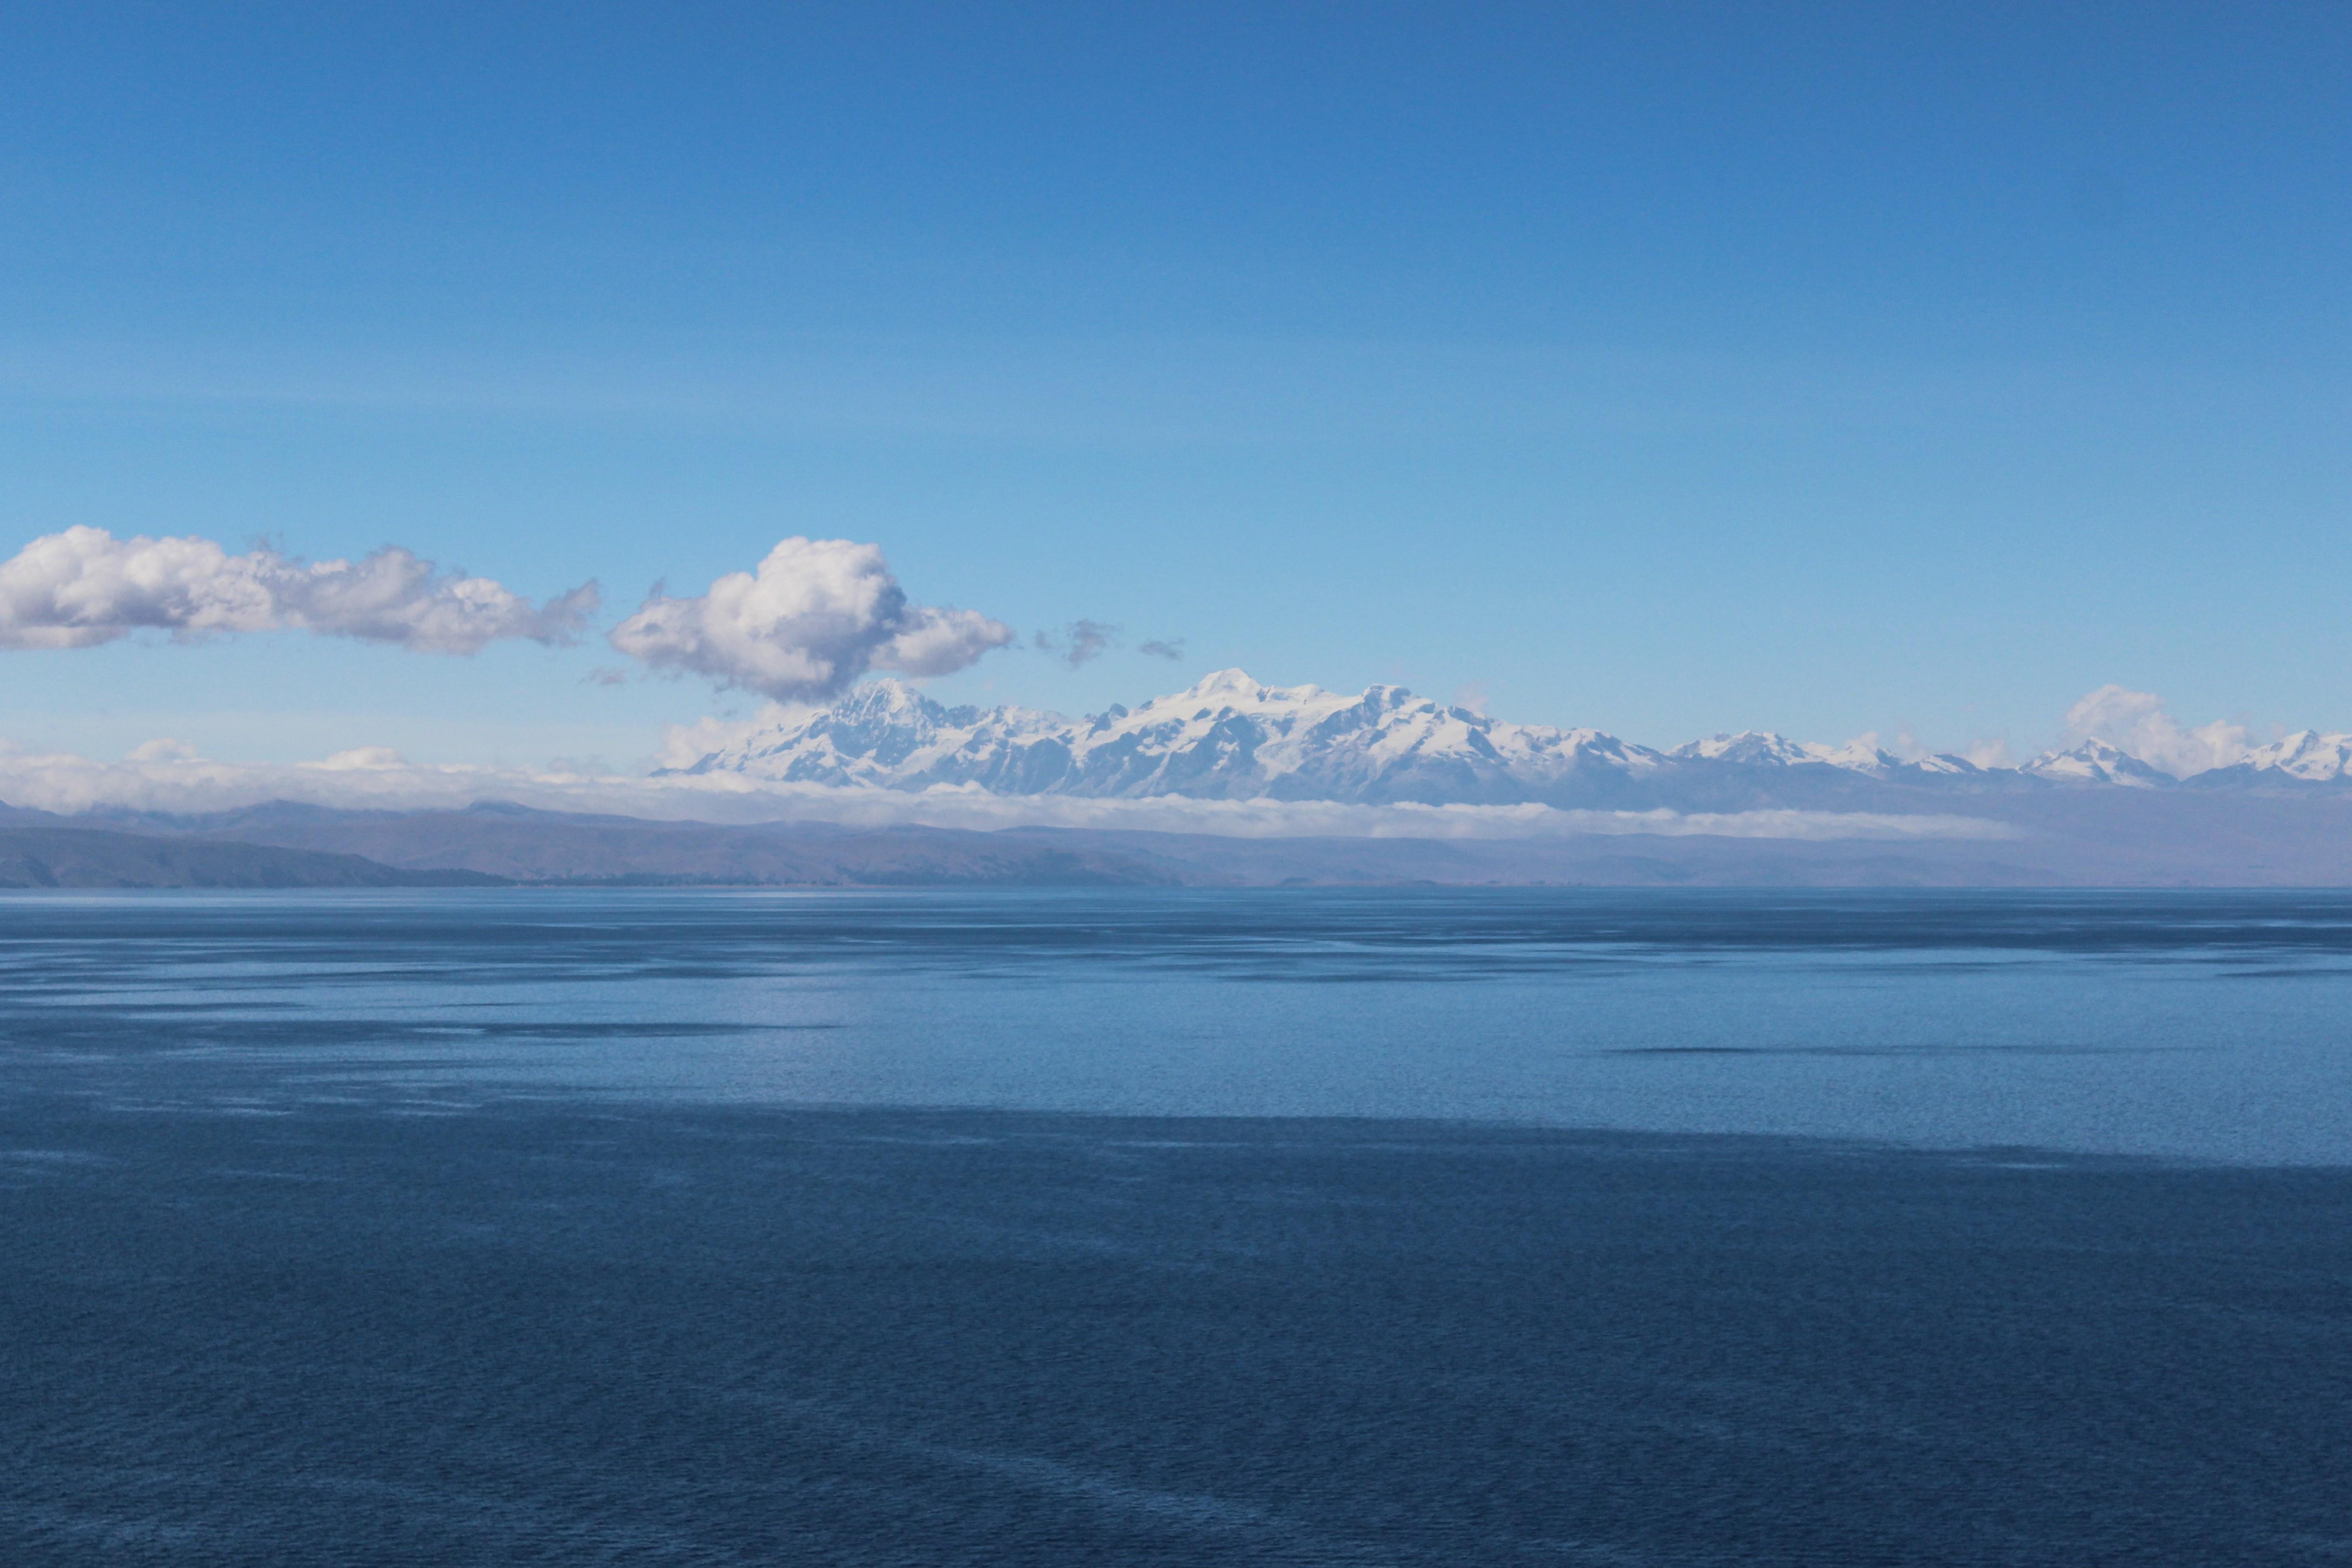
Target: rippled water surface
(2212, 1027)
(1399, 1226)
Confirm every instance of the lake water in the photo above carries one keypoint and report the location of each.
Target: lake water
(1423, 1227)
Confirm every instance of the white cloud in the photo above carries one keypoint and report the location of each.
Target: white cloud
(1989, 752)
(377, 776)
(84, 586)
(818, 613)
(932, 641)
(2138, 723)
(377, 759)
(683, 746)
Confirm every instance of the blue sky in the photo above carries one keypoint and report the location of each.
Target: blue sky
(1665, 369)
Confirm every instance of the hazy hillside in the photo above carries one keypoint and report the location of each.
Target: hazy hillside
(43, 857)
(523, 844)
(2056, 838)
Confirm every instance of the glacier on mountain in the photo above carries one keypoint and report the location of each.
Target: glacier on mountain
(1226, 738)
(1229, 737)
(1761, 748)
(2096, 763)
(2306, 757)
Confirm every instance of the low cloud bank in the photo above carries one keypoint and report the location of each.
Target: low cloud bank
(84, 586)
(816, 615)
(162, 777)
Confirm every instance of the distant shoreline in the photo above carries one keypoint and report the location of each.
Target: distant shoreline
(2179, 840)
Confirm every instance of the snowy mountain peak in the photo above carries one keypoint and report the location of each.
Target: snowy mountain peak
(2309, 754)
(1235, 689)
(1762, 748)
(1229, 684)
(1227, 736)
(1752, 747)
(2306, 757)
(2097, 762)
(886, 699)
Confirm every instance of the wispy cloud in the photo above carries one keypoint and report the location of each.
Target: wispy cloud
(84, 586)
(1081, 642)
(816, 615)
(1171, 648)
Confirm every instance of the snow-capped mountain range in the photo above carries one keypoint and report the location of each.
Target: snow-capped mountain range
(1229, 737)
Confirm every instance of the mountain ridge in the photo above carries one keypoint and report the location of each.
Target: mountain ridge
(1232, 738)
(35, 854)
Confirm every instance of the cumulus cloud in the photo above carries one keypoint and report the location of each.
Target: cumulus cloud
(2139, 724)
(938, 642)
(1171, 648)
(84, 586)
(817, 614)
(1989, 752)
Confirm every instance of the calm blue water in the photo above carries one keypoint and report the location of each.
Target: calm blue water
(2200, 1025)
(1444, 1226)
